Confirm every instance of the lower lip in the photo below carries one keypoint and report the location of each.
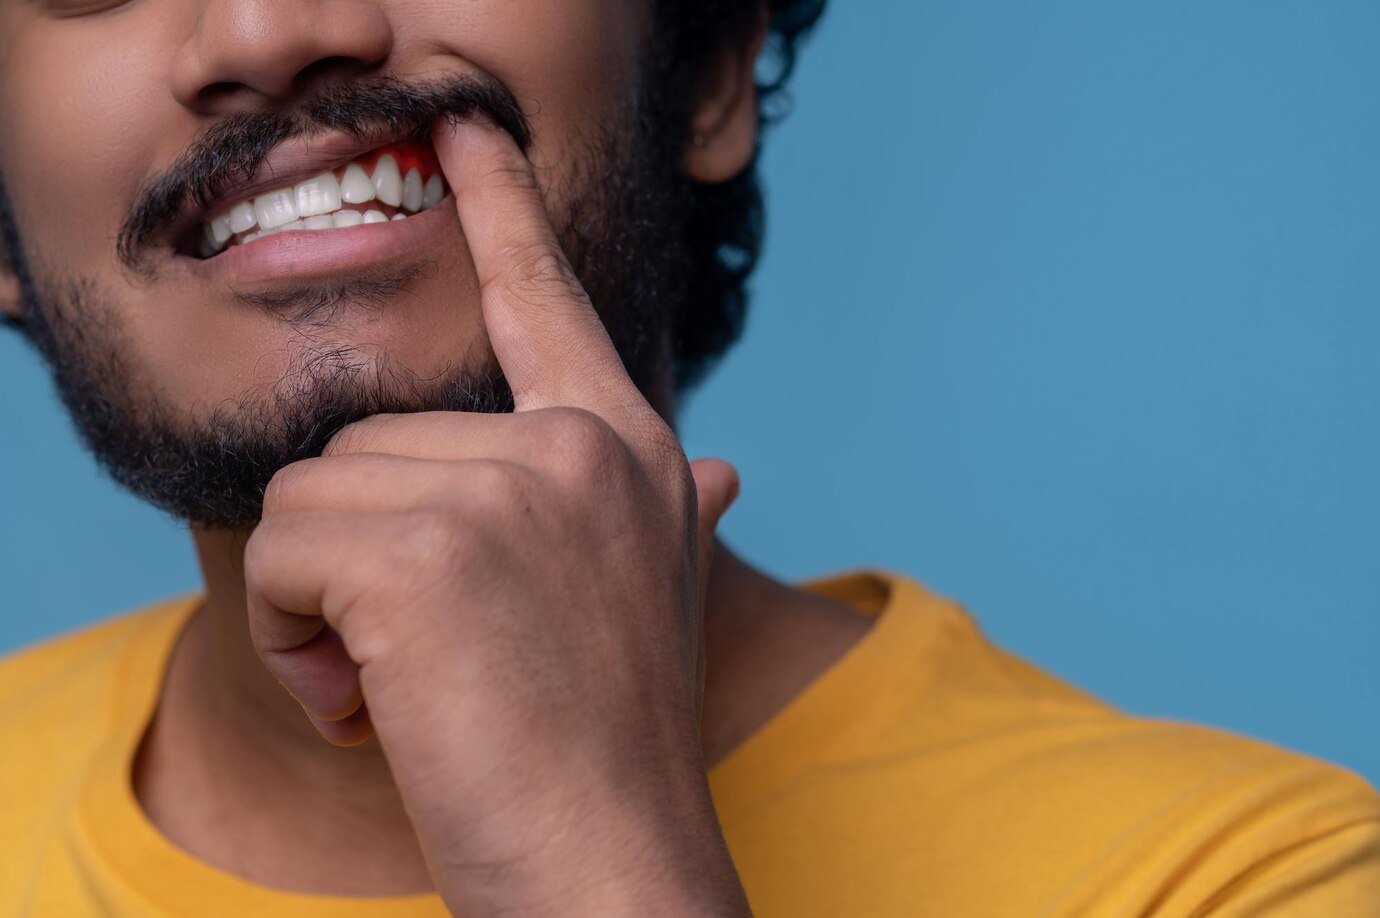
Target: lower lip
(318, 254)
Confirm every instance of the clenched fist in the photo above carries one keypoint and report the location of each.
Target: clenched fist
(512, 603)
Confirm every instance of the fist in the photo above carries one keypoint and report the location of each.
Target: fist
(512, 603)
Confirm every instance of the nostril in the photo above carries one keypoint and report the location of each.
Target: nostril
(226, 97)
(327, 70)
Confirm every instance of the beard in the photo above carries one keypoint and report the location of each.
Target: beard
(623, 230)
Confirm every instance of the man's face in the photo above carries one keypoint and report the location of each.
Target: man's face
(117, 119)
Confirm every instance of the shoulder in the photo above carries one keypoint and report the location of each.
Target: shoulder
(1009, 791)
(61, 698)
(1125, 806)
(70, 663)
(1189, 817)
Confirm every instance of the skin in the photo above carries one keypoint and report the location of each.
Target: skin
(470, 669)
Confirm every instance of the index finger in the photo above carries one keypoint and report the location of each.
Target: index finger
(551, 344)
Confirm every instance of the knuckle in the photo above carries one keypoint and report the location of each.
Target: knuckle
(508, 168)
(583, 441)
(498, 486)
(538, 273)
(258, 551)
(355, 437)
(432, 537)
(285, 484)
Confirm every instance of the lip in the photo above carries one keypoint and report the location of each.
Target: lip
(299, 255)
(288, 163)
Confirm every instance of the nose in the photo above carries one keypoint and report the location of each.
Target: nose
(246, 55)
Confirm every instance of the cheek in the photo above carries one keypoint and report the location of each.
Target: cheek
(88, 116)
(570, 63)
(82, 99)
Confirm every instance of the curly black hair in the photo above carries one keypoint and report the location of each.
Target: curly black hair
(726, 220)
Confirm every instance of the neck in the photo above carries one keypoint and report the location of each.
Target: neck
(230, 748)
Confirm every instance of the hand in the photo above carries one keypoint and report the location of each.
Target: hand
(512, 603)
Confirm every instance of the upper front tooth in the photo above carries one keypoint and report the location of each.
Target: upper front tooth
(355, 187)
(242, 217)
(220, 229)
(276, 208)
(435, 190)
(388, 180)
(319, 195)
(412, 191)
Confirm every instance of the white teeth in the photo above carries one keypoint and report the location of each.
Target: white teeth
(317, 203)
(242, 217)
(355, 187)
(275, 208)
(220, 230)
(388, 180)
(412, 191)
(435, 190)
(319, 195)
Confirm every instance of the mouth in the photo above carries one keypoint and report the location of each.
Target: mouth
(389, 183)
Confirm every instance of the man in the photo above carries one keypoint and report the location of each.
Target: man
(393, 302)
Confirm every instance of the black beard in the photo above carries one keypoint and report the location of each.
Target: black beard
(625, 237)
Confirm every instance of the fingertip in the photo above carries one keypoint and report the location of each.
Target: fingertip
(453, 136)
(348, 731)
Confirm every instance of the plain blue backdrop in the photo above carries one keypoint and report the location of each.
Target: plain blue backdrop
(1069, 309)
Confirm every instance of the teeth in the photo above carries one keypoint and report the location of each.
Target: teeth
(412, 191)
(355, 187)
(276, 208)
(319, 195)
(220, 230)
(388, 180)
(242, 217)
(318, 202)
(435, 190)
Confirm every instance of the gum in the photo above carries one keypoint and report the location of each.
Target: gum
(409, 156)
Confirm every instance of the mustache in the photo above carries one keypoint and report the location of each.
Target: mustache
(380, 108)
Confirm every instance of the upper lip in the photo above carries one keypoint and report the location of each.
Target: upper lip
(290, 162)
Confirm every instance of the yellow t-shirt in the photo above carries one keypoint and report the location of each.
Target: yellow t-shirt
(925, 773)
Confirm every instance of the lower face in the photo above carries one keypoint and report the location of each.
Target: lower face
(345, 291)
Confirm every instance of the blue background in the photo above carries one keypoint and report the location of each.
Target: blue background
(1069, 309)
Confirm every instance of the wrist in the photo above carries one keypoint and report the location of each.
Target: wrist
(615, 857)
